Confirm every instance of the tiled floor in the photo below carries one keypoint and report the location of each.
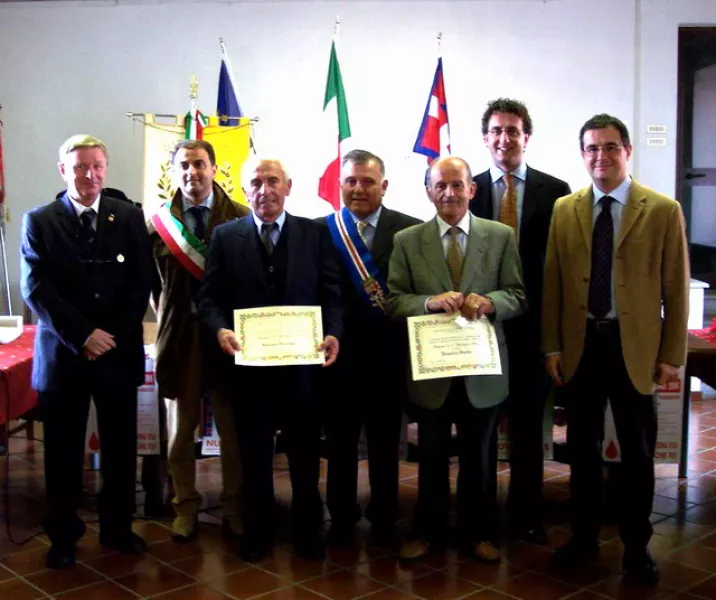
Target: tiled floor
(684, 542)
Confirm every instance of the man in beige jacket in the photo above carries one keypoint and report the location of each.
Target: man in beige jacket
(616, 257)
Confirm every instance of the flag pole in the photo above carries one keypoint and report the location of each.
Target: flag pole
(440, 44)
(3, 245)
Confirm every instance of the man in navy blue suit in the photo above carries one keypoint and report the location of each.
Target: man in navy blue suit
(86, 273)
(271, 258)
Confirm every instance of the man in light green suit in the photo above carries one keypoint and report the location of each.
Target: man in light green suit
(456, 262)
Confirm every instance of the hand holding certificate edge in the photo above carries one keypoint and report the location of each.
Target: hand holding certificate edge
(228, 342)
(330, 346)
(473, 306)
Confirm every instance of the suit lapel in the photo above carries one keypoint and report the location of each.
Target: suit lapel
(67, 218)
(432, 250)
(246, 241)
(106, 223)
(635, 204)
(583, 207)
(474, 255)
(295, 239)
(382, 242)
(483, 196)
(530, 199)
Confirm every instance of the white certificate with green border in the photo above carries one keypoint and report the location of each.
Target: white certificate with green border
(278, 336)
(448, 345)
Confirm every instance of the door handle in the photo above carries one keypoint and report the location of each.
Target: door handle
(695, 175)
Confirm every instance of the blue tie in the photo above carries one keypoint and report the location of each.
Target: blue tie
(198, 214)
(87, 232)
(600, 282)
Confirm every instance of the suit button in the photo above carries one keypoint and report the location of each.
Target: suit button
(271, 269)
(96, 295)
(585, 279)
(581, 306)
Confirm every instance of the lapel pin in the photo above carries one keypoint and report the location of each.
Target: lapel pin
(120, 258)
(110, 219)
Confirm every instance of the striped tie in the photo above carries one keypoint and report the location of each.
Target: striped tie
(600, 282)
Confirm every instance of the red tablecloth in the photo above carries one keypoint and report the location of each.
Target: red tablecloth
(708, 334)
(15, 372)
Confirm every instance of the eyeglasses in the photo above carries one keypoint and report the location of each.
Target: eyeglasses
(512, 132)
(607, 149)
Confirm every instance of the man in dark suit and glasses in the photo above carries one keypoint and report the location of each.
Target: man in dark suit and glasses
(271, 258)
(86, 272)
(367, 387)
(514, 193)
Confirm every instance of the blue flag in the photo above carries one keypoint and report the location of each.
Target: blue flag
(227, 104)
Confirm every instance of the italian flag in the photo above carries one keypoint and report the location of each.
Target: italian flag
(194, 124)
(334, 105)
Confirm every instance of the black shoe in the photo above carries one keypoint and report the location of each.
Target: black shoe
(310, 546)
(533, 535)
(126, 543)
(641, 567)
(341, 536)
(228, 533)
(575, 553)
(253, 549)
(61, 557)
(385, 536)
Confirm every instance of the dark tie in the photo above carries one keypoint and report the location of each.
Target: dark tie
(87, 231)
(600, 282)
(266, 230)
(198, 213)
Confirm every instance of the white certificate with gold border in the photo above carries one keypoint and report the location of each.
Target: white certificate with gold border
(279, 335)
(448, 345)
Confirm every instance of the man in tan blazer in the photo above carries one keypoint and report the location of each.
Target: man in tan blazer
(616, 258)
(187, 356)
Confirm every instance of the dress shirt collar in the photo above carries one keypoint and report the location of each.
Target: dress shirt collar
(187, 204)
(371, 219)
(520, 172)
(80, 208)
(620, 193)
(280, 221)
(463, 225)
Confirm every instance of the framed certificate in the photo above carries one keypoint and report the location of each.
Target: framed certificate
(448, 345)
(279, 335)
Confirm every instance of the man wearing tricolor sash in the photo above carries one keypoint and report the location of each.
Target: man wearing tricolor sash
(186, 350)
(367, 388)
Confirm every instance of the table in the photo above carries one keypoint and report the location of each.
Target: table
(700, 363)
(16, 394)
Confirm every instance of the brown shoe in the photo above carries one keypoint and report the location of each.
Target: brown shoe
(412, 550)
(486, 552)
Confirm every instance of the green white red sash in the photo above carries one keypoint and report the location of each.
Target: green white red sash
(188, 249)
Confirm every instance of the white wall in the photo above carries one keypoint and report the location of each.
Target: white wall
(68, 67)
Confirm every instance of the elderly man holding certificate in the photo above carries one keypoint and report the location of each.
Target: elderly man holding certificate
(271, 291)
(456, 278)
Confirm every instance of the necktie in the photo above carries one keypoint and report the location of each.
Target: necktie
(600, 282)
(266, 230)
(508, 204)
(362, 226)
(198, 213)
(454, 258)
(87, 232)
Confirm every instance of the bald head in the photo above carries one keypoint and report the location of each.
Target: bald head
(451, 188)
